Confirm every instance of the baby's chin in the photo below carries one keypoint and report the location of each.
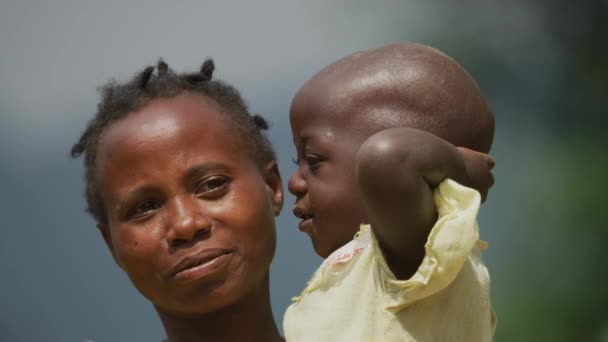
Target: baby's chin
(323, 253)
(322, 249)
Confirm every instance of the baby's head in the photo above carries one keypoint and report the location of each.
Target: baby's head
(184, 187)
(399, 85)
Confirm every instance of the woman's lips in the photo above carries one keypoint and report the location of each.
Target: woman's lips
(200, 264)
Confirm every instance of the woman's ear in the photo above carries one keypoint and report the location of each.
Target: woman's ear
(105, 233)
(272, 177)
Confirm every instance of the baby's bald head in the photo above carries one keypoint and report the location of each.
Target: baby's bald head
(400, 85)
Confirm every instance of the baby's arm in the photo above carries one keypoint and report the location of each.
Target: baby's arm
(397, 170)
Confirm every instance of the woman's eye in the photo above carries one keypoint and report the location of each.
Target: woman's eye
(143, 208)
(212, 185)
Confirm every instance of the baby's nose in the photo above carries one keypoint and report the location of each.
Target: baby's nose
(297, 184)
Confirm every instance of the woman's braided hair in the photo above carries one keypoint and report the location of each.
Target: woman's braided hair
(118, 100)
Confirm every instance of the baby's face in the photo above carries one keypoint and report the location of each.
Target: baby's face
(327, 200)
(190, 214)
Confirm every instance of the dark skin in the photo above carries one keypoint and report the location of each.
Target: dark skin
(375, 133)
(190, 219)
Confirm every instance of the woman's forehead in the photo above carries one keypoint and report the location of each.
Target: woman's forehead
(166, 116)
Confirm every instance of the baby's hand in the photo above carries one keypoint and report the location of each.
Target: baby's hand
(479, 170)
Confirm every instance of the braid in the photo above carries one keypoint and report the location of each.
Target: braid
(260, 122)
(145, 76)
(163, 68)
(207, 69)
(118, 100)
(80, 146)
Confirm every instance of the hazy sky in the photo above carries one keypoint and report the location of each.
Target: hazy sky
(58, 281)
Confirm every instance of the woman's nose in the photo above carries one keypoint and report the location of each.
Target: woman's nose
(186, 220)
(297, 184)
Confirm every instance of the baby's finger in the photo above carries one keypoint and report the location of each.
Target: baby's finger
(491, 162)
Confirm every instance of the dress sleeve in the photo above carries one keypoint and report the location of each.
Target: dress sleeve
(448, 247)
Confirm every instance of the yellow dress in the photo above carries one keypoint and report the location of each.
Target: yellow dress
(354, 296)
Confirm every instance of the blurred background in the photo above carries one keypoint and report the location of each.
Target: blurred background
(543, 66)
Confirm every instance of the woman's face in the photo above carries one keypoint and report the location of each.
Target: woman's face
(190, 213)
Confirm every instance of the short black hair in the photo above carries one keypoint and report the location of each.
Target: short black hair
(118, 100)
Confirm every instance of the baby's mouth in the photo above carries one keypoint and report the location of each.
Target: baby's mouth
(306, 223)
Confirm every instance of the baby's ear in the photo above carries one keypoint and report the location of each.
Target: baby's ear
(107, 237)
(274, 185)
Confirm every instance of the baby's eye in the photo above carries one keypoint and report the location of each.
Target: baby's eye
(212, 186)
(143, 208)
(312, 161)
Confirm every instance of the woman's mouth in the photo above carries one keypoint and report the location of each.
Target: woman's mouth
(201, 264)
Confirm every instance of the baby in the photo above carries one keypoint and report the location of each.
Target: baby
(393, 137)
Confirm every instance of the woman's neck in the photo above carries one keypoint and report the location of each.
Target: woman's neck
(248, 320)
